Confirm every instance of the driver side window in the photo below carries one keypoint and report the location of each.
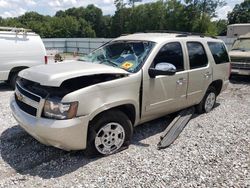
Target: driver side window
(171, 53)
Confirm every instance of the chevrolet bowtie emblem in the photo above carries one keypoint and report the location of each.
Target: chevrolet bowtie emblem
(19, 96)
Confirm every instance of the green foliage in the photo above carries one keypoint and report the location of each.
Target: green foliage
(187, 15)
(240, 13)
(221, 26)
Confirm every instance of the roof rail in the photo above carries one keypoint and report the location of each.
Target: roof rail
(15, 29)
(181, 33)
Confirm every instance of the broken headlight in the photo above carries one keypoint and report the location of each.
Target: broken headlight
(57, 110)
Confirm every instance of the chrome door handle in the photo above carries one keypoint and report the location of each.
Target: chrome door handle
(181, 81)
(207, 75)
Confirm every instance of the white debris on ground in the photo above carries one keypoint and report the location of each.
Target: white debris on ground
(212, 151)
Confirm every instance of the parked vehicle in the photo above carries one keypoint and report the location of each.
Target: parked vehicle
(95, 103)
(236, 30)
(20, 49)
(240, 55)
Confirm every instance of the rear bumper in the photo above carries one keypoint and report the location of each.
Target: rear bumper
(64, 134)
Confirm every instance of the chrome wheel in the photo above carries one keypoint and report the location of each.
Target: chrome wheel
(209, 103)
(109, 138)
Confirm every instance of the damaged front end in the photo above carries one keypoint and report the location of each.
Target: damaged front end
(45, 101)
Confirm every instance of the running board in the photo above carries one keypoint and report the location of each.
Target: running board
(175, 128)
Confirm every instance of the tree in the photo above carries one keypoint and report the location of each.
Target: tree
(93, 16)
(199, 12)
(240, 13)
(221, 26)
(179, 15)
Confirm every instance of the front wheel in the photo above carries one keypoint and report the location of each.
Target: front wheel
(108, 133)
(208, 101)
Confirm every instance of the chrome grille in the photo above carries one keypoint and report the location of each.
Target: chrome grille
(240, 59)
(240, 65)
(28, 101)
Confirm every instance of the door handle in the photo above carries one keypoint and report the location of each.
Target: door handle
(207, 75)
(181, 81)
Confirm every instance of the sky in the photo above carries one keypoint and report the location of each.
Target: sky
(14, 8)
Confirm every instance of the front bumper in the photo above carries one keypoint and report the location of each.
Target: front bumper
(241, 68)
(64, 134)
(240, 71)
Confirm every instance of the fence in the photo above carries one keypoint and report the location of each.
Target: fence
(79, 45)
(86, 45)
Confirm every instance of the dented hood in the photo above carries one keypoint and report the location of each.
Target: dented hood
(55, 74)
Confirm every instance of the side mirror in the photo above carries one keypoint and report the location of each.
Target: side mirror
(162, 69)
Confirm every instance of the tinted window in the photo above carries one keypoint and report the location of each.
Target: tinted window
(219, 52)
(171, 53)
(197, 55)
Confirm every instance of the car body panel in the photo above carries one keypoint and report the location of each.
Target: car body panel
(53, 132)
(199, 79)
(55, 74)
(100, 97)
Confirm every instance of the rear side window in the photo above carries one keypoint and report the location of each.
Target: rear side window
(197, 55)
(219, 52)
(171, 53)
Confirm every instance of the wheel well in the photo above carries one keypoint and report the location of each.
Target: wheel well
(217, 84)
(127, 109)
(15, 70)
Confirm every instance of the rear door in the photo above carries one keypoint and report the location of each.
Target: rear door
(200, 72)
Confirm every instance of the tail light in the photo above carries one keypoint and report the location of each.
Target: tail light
(46, 60)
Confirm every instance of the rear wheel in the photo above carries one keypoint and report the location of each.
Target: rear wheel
(208, 101)
(108, 133)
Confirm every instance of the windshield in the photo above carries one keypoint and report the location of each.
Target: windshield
(127, 55)
(241, 44)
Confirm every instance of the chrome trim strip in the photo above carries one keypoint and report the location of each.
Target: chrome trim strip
(28, 91)
(38, 105)
(40, 108)
(26, 100)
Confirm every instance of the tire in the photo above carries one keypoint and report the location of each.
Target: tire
(108, 133)
(204, 106)
(12, 80)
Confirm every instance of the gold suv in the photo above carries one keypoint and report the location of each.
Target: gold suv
(94, 103)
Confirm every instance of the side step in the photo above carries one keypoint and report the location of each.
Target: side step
(174, 129)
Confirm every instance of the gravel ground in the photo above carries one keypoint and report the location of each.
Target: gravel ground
(212, 151)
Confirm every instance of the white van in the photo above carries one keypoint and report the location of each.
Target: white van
(19, 49)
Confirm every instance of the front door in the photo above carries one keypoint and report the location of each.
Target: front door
(165, 94)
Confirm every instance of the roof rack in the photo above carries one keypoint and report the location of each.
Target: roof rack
(180, 33)
(15, 29)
